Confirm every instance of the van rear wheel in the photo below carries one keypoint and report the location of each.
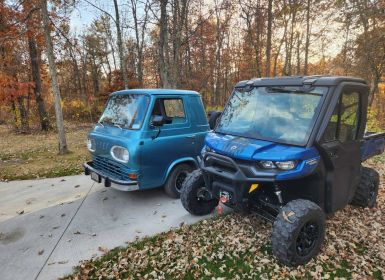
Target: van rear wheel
(175, 180)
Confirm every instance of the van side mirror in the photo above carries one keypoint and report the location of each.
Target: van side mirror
(157, 120)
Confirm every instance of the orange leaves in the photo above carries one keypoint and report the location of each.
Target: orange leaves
(10, 88)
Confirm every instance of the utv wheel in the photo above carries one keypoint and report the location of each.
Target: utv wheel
(175, 180)
(367, 190)
(195, 198)
(298, 232)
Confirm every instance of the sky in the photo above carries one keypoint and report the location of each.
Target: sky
(82, 16)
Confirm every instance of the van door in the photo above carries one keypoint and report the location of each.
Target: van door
(172, 141)
(341, 146)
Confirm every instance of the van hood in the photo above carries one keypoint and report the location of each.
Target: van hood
(254, 149)
(107, 136)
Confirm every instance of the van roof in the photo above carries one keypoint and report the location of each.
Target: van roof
(316, 80)
(156, 91)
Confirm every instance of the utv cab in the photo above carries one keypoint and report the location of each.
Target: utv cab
(290, 150)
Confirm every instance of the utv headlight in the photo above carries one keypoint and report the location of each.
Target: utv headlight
(120, 154)
(91, 145)
(286, 165)
(267, 164)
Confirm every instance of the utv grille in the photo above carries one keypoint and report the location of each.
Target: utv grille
(110, 167)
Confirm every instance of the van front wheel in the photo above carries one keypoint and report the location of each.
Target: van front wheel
(175, 180)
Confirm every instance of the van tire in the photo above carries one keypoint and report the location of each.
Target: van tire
(175, 180)
(214, 118)
(298, 232)
(189, 195)
(367, 190)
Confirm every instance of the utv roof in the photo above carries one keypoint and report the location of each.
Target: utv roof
(157, 91)
(299, 81)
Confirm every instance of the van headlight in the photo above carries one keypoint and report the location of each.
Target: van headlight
(120, 154)
(91, 145)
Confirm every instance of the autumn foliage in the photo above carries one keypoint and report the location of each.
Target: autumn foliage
(207, 46)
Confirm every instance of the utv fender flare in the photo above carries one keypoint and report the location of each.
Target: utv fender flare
(189, 160)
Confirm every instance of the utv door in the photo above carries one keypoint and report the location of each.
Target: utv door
(340, 144)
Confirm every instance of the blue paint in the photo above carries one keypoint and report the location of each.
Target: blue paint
(255, 150)
(153, 159)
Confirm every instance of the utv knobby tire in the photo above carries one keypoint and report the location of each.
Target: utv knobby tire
(367, 190)
(172, 186)
(189, 195)
(213, 119)
(289, 232)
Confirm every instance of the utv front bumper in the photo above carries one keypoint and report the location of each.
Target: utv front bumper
(235, 177)
(107, 181)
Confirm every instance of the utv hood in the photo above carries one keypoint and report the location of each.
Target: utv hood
(254, 149)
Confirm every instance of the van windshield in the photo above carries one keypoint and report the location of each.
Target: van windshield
(126, 110)
(278, 114)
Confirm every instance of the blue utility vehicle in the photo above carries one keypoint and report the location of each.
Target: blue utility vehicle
(290, 150)
(147, 138)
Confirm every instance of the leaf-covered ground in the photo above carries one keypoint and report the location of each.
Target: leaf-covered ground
(35, 155)
(238, 247)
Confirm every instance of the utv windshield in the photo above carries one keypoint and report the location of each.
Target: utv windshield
(278, 114)
(125, 110)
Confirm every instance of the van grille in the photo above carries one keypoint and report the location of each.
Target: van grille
(111, 168)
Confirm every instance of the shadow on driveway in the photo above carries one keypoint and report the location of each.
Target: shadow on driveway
(75, 220)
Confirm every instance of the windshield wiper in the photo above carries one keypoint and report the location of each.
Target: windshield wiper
(115, 124)
(100, 122)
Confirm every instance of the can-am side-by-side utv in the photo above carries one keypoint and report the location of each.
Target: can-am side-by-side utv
(290, 150)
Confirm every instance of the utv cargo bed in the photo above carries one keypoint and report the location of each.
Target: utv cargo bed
(372, 144)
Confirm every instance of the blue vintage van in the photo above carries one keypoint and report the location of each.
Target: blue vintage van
(147, 138)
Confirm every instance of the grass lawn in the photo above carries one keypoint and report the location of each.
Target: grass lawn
(28, 156)
(238, 247)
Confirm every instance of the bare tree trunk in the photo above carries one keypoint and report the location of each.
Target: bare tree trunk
(269, 35)
(120, 45)
(307, 43)
(13, 108)
(163, 45)
(35, 71)
(298, 71)
(24, 127)
(293, 11)
(54, 83)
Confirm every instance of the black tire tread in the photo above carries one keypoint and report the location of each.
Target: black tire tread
(188, 195)
(368, 176)
(213, 118)
(283, 231)
(169, 186)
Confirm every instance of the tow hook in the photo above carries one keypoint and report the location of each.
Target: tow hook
(224, 197)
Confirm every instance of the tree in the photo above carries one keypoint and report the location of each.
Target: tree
(35, 59)
(120, 45)
(163, 45)
(63, 149)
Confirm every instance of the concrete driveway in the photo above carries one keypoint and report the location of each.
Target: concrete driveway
(48, 226)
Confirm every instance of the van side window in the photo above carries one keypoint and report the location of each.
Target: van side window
(171, 109)
(343, 124)
(174, 109)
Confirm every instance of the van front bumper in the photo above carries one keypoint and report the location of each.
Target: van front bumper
(100, 177)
